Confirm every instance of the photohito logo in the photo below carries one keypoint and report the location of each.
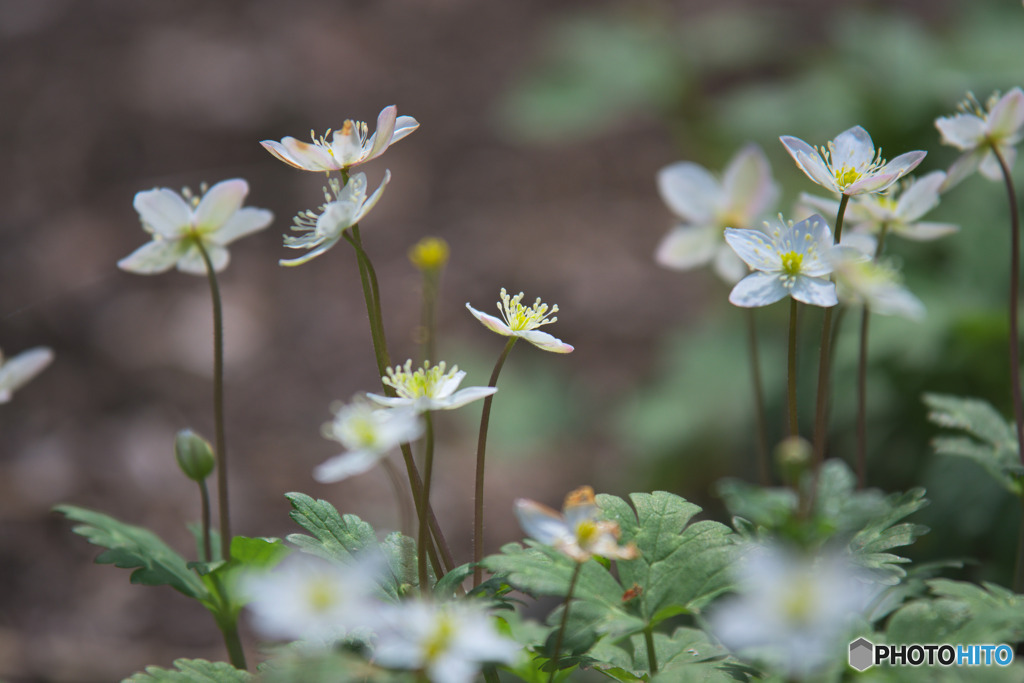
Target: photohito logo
(864, 654)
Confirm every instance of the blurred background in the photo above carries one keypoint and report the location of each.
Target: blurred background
(542, 128)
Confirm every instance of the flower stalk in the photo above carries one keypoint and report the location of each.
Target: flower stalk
(794, 426)
(556, 655)
(424, 533)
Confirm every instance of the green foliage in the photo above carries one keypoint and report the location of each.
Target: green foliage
(326, 667)
(192, 671)
(991, 440)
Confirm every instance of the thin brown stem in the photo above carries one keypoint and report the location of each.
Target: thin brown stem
(556, 655)
(204, 499)
(424, 534)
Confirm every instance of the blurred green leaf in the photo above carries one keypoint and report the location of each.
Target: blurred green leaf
(192, 671)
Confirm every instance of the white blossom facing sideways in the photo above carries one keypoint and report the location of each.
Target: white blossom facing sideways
(876, 284)
(522, 321)
(448, 642)
(849, 164)
(310, 599)
(578, 531)
(977, 132)
(788, 259)
(707, 205)
(343, 208)
(349, 146)
(897, 211)
(368, 433)
(18, 370)
(180, 223)
(792, 612)
(431, 387)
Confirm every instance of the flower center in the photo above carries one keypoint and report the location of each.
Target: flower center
(321, 595)
(519, 317)
(798, 602)
(587, 532)
(791, 262)
(847, 176)
(424, 382)
(440, 640)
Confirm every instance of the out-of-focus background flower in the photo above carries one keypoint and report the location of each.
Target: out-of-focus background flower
(542, 128)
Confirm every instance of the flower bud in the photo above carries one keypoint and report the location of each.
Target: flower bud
(194, 454)
(429, 254)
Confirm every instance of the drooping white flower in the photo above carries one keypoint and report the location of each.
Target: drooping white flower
(896, 212)
(860, 282)
(578, 531)
(310, 599)
(849, 164)
(976, 132)
(428, 388)
(179, 223)
(349, 146)
(707, 205)
(788, 259)
(522, 321)
(792, 612)
(448, 642)
(368, 433)
(20, 369)
(343, 208)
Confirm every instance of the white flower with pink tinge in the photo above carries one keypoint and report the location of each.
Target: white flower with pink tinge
(578, 531)
(431, 387)
(976, 132)
(368, 433)
(523, 321)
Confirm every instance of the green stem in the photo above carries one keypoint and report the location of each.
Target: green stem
(652, 658)
(428, 467)
(204, 497)
(227, 622)
(481, 449)
(233, 642)
(428, 316)
(556, 655)
(491, 674)
(763, 466)
(794, 426)
(220, 444)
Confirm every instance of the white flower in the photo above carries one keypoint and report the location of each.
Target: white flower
(368, 433)
(179, 223)
(793, 612)
(578, 532)
(977, 132)
(788, 260)
(344, 207)
(523, 322)
(876, 284)
(849, 164)
(428, 388)
(447, 641)
(351, 145)
(307, 598)
(16, 371)
(708, 205)
(897, 211)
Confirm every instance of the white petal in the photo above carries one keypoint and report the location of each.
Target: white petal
(245, 222)
(372, 200)
(688, 246)
(963, 131)
(392, 401)
(301, 155)
(450, 385)
(747, 186)
(21, 368)
(989, 166)
(728, 265)
(814, 291)
(921, 197)
(690, 191)
(822, 205)
(924, 231)
(757, 289)
(904, 163)
(154, 257)
(345, 465)
(852, 148)
(964, 166)
(1007, 116)
(385, 130)
(403, 126)
(324, 246)
(898, 301)
(810, 162)
(541, 523)
(346, 147)
(754, 247)
(192, 261)
(163, 211)
(219, 203)
(462, 397)
(543, 340)
(490, 322)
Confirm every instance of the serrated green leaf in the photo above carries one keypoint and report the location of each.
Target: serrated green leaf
(133, 547)
(334, 537)
(450, 582)
(400, 554)
(883, 533)
(192, 671)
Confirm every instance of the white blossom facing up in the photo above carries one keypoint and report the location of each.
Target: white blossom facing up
(349, 146)
(977, 131)
(578, 531)
(180, 223)
(792, 611)
(18, 370)
(523, 321)
(368, 433)
(431, 387)
(849, 164)
(788, 259)
(876, 284)
(343, 208)
(448, 642)
(707, 205)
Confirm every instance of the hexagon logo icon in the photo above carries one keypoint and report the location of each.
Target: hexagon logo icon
(862, 654)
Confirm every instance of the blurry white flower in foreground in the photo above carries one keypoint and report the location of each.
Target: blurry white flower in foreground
(447, 641)
(875, 284)
(578, 531)
(307, 598)
(793, 612)
(976, 132)
(350, 145)
(179, 223)
(849, 164)
(708, 205)
(522, 321)
(428, 388)
(16, 371)
(343, 208)
(788, 259)
(368, 433)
